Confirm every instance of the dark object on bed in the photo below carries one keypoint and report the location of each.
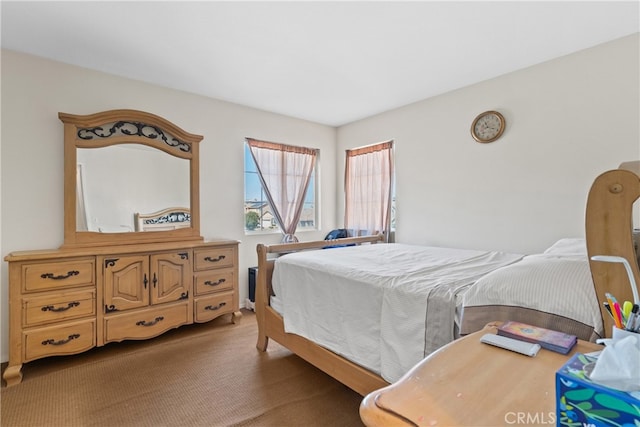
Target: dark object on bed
(338, 233)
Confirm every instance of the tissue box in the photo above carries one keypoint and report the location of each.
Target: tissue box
(581, 402)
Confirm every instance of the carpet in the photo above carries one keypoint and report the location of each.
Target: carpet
(198, 375)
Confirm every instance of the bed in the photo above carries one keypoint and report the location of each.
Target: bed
(382, 307)
(553, 289)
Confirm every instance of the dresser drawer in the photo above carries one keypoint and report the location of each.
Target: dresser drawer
(207, 308)
(68, 338)
(145, 323)
(206, 259)
(58, 275)
(206, 282)
(57, 307)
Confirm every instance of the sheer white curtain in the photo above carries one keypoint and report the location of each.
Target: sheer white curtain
(284, 171)
(368, 186)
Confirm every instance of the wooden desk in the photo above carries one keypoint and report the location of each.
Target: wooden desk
(468, 383)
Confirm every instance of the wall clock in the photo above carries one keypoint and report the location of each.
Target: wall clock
(488, 126)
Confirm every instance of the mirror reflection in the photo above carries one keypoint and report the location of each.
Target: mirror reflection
(116, 182)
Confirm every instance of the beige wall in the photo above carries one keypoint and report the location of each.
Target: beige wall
(568, 120)
(34, 90)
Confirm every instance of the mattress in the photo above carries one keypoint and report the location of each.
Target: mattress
(385, 306)
(553, 289)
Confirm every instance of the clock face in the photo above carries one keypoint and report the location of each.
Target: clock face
(488, 126)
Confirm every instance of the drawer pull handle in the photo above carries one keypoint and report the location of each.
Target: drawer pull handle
(153, 322)
(216, 307)
(66, 276)
(210, 283)
(220, 258)
(54, 309)
(61, 342)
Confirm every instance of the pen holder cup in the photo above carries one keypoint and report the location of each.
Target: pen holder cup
(619, 334)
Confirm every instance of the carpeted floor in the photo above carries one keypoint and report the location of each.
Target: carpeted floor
(199, 375)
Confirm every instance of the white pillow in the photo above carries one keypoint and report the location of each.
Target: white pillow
(568, 246)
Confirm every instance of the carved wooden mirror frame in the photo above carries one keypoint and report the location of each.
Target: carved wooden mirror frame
(119, 127)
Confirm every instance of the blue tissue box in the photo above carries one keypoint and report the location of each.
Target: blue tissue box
(583, 403)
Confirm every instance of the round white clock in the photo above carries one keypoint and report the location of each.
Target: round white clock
(488, 126)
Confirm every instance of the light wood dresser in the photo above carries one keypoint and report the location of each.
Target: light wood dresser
(103, 286)
(68, 301)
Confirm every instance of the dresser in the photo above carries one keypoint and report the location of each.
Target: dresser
(68, 301)
(133, 264)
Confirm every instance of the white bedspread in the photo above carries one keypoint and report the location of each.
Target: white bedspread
(384, 306)
(557, 281)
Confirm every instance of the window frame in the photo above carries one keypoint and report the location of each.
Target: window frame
(264, 204)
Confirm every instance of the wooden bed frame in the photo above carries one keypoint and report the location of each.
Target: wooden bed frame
(609, 231)
(271, 325)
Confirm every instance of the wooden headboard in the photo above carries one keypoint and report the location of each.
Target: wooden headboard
(609, 231)
(166, 219)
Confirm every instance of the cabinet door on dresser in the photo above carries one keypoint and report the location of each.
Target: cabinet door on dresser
(126, 282)
(146, 294)
(136, 281)
(170, 277)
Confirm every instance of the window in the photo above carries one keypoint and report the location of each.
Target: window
(258, 214)
(369, 189)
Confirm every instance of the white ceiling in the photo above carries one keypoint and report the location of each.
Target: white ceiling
(328, 62)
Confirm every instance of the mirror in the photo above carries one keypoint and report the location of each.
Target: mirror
(115, 183)
(122, 163)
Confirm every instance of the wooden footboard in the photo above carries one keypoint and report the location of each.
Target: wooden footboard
(271, 324)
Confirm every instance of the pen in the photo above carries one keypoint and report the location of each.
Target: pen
(609, 304)
(608, 307)
(633, 319)
(612, 301)
(617, 315)
(626, 310)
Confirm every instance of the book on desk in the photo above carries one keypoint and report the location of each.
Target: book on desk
(547, 338)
